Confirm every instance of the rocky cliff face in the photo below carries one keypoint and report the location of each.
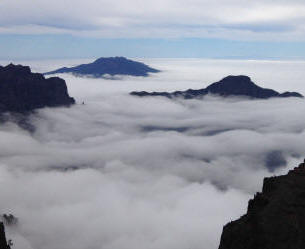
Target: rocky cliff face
(229, 86)
(275, 218)
(3, 242)
(22, 91)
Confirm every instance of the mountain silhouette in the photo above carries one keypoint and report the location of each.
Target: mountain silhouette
(229, 86)
(23, 91)
(108, 66)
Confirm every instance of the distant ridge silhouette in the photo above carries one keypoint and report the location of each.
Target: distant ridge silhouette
(229, 86)
(108, 66)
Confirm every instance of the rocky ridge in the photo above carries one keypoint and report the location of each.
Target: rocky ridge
(275, 218)
(229, 86)
(22, 91)
(3, 242)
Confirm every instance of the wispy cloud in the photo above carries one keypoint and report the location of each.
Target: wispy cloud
(168, 18)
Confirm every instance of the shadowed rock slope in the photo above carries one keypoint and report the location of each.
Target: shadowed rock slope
(275, 218)
(111, 66)
(229, 86)
(23, 91)
(3, 242)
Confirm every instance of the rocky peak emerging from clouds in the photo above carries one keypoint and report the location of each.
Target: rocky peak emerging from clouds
(108, 66)
(229, 86)
(23, 91)
(275, 218)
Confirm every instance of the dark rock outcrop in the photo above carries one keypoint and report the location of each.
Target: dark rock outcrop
(111, 66)
(275, 218)
(9, 219)
(3, 242)
(229, 86)
(23, 91)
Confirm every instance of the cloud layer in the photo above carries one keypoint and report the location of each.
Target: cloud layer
(280, 20)
(122, 172)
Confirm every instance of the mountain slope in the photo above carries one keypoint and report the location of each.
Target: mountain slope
(3, 242)
(275, 218)
(23, 91)
(111, 66)
(229, 86)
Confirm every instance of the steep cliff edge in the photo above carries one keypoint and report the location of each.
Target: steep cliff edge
(23, 91)
(275, 218)
(3, 242)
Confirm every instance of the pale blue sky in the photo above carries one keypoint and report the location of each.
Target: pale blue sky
(67, 46)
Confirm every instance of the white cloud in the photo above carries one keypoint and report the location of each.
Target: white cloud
(152, 172)
(167, 18)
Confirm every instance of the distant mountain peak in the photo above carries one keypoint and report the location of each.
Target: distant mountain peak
(115, 58)
(243, 78)
(231, 85)
(108, 66)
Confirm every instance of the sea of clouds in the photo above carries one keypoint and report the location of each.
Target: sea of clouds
(123, 172)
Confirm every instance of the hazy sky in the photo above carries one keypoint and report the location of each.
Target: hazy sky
(159, 28)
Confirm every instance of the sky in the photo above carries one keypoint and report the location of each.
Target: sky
(123, 172)
(241, 29)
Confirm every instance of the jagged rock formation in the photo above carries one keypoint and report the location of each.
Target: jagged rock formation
(23, 91)
(275, 218)
(9, 219)
(111, 66)
(229, 86)
(3, 242)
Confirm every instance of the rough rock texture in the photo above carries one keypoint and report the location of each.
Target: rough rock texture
(275, 218)
(229, 86)
(23, 91)
(9, 219)
(3, 242)
(111, 66)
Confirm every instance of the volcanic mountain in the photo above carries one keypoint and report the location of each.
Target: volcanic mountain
(23, 91)
(275, 218)
(108, 66)
(229, 86)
